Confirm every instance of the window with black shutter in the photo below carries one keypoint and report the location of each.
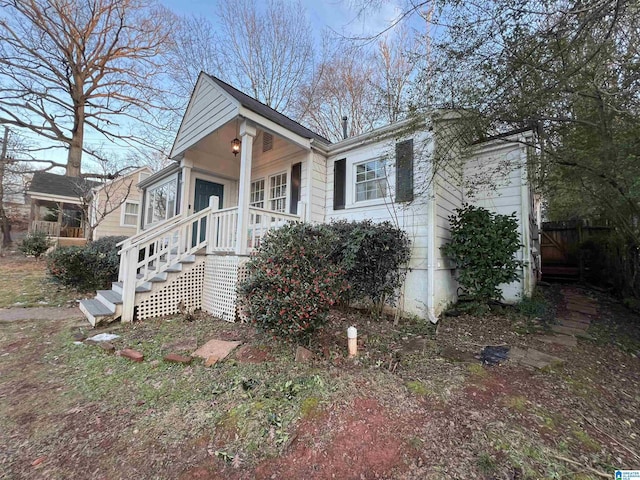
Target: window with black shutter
(339, 183)
(404, 171)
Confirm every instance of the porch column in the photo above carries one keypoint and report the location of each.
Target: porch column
(185, 201)
(247, 134)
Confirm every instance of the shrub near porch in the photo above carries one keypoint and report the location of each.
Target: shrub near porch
(293, 280)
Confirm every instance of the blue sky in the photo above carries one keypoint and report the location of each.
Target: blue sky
(336, 15)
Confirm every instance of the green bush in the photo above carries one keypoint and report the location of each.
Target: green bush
(68, 266)
(104, 259)
(91, 267)
(35, 243)
(294, 278)
(483, 246)
(374, 257)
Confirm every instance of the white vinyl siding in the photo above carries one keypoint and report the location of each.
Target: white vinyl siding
(370, 180)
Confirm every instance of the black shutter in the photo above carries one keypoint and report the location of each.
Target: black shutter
(404, 171)
(296, 176)
(339, 183)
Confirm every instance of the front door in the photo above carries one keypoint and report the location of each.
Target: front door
(204, 190)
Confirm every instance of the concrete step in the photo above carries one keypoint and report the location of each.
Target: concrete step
(189, 259)
(95, 310)
(144, 288)
(110, 298)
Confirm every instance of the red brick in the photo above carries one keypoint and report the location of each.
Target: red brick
(132, 355)
(175, 358)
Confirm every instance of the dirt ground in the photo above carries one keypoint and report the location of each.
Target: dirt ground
(415, 404)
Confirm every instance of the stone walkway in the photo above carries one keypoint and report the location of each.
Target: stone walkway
(575, 322)
(572, 324)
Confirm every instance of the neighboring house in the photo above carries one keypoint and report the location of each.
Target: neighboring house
(242, 168)
(116, 205)
(57, 206)
(72, 209)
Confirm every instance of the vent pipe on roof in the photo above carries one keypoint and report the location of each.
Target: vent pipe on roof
(344, 127)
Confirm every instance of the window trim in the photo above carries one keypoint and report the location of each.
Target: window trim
(123, 213)
(264, 192)
(286, 174)
(352, 182)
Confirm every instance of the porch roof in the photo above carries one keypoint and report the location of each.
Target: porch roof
(53, 186)
(267, 112)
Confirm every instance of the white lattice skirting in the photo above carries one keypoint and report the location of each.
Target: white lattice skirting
(186, 288)
(221, 276)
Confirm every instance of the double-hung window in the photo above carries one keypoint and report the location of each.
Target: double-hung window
(130, 214)
(278, 192)
(370, 180)
(256, 196)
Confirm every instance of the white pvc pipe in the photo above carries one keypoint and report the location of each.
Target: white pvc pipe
(352, 336)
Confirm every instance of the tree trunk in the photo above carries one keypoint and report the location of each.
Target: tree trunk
(74, 158)
(5, 223)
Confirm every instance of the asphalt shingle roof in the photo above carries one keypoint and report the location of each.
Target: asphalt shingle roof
(268, 112)
(52, 184)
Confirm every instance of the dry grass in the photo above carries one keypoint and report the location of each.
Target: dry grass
(24, 283)
(79, 412)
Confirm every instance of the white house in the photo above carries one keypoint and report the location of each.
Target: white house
(242, 168)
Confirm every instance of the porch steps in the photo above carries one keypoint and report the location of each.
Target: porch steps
(107, 304)
(95, 310)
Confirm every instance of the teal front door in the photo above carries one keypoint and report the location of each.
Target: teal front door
(204, 190)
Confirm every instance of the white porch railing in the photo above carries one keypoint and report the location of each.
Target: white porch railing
(154, 251)
(223, 227)
(261, 221)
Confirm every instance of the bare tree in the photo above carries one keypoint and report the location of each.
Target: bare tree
(271, 48)
(72, 66)
(105, 199)
(195, 50)
(12, 179)
(395, 70)
(341, 88)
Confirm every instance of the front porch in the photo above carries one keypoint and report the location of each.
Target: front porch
(186, 263)
(238, 174)
(61, 222)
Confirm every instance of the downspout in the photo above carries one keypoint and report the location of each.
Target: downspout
(525, 214)
(431, 257)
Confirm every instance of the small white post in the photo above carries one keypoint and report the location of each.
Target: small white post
(352, 336)
(212, 224)
(302, 210)
(130, 259)
(123, 262)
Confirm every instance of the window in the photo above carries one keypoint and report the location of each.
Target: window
(256, 197)
(371, 180)
(278, 192)
(129, 214)
(161, 202)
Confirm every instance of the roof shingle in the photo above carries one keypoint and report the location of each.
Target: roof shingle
(61, 185)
